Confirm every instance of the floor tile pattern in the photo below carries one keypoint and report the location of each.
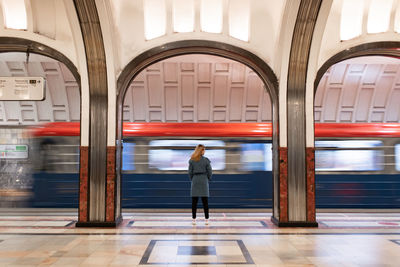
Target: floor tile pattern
(204, 251)
(361, 223)
(199, 223)
(231, 239)
(20, 223)
(196, 250)
(396, 241)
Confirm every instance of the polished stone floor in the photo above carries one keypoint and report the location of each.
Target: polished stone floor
(42, 238)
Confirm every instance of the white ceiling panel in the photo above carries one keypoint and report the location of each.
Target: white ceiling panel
(62, 102)
(365, 89)
(197, 88)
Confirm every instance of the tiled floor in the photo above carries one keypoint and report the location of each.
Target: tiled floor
(233, 239)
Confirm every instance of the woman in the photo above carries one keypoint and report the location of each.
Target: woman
(200, 174)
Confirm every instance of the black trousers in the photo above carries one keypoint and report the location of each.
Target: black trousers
(194, 206)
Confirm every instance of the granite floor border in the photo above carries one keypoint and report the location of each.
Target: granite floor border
(396, 241)
(147, 252)
(246, 254)
(197, 234)
(70, 224)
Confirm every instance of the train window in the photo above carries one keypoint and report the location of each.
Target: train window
(128, 157)
(175, 154)
(58, 156)
(187, 143)
(256, 157)
(349, 155)
(397, 153)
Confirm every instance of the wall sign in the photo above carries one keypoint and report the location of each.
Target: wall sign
(13, 151)
(22, 88)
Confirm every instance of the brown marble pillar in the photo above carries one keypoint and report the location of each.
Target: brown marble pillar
(83, 184)
(283, 187)
(310, 172)
(110, 187)
(280, 213)
(283, 220)
(112, 217)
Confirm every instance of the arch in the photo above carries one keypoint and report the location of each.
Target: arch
(178, 48)
(23, 45)
(382, 48)
(197, 47)
(13, 44)
(389, 49)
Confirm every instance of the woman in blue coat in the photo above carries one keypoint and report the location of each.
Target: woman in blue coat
(200, 173)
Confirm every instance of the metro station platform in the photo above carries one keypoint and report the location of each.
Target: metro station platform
(168, 239)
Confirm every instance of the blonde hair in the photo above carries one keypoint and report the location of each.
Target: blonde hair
(197, 152)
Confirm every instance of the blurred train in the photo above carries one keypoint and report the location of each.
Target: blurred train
(357, 165)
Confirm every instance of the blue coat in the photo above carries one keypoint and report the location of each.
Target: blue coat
(200, 173)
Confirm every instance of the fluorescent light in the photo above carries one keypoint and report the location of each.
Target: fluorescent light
(239, 19)
(15, 14)
(211, 16)
(183, 14)
(379, 16)
(351, 20)
(397, 19)
(154, 18)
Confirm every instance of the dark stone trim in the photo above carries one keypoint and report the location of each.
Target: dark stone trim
(196, 250)
(70, 224)
(396, 241)
(210, 234)
(293, 224)
(177, 48)
(389, 49)
(97, 73)
(99, 224)
(296, 102)
(146, 255)
(245, 252)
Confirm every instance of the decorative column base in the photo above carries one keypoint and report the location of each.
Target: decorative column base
(100, 224)
(293, 224)
(112, 218)
(83, 184)
(283, 206)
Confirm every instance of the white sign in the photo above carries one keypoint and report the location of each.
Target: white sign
(13, 151)
(22, 88)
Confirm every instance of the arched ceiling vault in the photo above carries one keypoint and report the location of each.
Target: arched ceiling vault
(359, 89)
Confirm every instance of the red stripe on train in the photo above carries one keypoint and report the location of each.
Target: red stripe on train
(226, 129)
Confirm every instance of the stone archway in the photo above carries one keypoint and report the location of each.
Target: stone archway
(25, 57)
(358, 109)
(197, 47)
(12, 44)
